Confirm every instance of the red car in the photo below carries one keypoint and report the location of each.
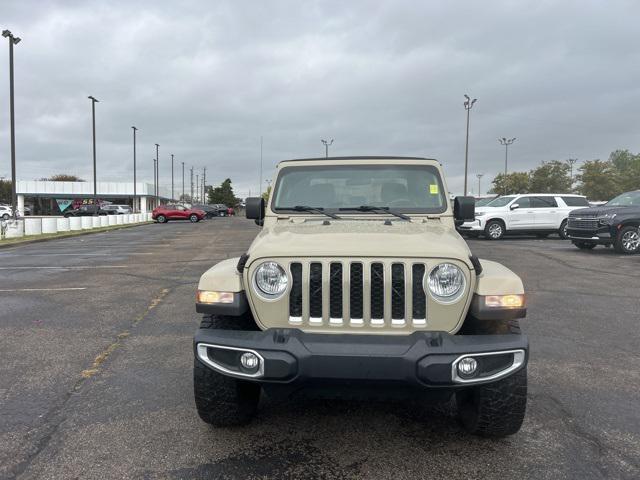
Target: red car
(164, 213)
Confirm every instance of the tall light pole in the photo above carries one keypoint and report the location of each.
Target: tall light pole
(326, 147)
(14, 197)
(260, 165)
(197, 186)
(571, 161)
(479, 175)
(182, 198)
(468, 105)
(157, 176)
(93, 123)
(191, 183)
(135, 202)
(204, 183)
(173, 195)
(506, 142)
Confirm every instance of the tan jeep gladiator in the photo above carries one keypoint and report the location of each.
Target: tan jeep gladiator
(359, 284)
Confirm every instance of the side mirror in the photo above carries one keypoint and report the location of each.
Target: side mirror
(255, 209)
(464, 209)
(514, 206)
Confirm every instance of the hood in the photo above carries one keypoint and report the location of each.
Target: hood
(599, 211)
(360, 238)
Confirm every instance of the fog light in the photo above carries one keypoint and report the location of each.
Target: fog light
(249, 361)
(467, 367)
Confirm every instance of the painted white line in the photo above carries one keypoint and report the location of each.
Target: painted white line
(62, 289)
(65, 268)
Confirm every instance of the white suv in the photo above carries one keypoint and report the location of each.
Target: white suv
(6, 212)
(538, 213)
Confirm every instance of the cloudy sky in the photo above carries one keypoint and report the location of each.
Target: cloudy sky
(205, 79)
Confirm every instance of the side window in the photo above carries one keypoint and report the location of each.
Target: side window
(524, 202)
(575, 201)
(543, 202)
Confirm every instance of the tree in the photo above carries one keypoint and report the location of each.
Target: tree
(266, 194)
(5, 191)
(223, 194)
(627, 169)
(550, 177)
(511, 183)
(64, 177)
(598, 180)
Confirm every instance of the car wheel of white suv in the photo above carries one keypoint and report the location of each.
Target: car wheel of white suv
(494, 230)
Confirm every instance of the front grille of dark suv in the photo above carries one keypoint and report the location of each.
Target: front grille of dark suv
(583, 223)
(393, 288)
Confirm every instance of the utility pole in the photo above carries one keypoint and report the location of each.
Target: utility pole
(182, 198)
(260, 165)
(204, 184)
(571, 161)
(14, 197)
(135, 202)
(173, 196)
(479, 175)
(191, 183)
(197, 186)
(93, 123)
(326, 147)
(157, 175)
(468, 105)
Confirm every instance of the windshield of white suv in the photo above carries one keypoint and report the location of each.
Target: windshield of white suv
(402, 188)
(625, 200)
(499, 202)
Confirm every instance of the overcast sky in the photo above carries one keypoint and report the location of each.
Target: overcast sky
(205, 79)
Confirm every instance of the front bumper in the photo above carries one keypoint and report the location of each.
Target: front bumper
(422, 359)
(476, 225)
(602, 235)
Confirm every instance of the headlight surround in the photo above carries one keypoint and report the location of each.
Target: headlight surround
(607, 218)
(271, 280)
(446, 282)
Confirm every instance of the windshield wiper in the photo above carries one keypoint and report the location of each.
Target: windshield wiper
(306, 208)
(371, 208)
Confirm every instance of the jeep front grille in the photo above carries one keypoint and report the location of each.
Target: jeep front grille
(344, 293)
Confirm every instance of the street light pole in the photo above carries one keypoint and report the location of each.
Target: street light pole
(571, 161)
(172, 191)
(260, 165)
(135, 200)
(93, 122)
(157, 176)
(191, 183)
(326, 147)
(197, 186)
(14, 197)
(506, 142)
(155, 185)
(204, 184)
(468, 105)
(479, 175)
(182, 198)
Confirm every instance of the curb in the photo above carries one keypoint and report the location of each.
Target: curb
(69, 235)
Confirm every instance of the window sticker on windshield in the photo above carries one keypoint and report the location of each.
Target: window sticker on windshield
(433, 189)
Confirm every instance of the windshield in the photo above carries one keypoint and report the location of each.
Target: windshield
(499, 202)
(406, 188)
(481, 202)
(625, 200)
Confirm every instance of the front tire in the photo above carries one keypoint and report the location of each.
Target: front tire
(193, 218)
(5, 216)
(224, 401)
(494, 230)
(562, 231)
(161, 219)
(627, 241)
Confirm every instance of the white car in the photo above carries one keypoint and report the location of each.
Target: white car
(5, 212)
(116, 209)
(537, 213)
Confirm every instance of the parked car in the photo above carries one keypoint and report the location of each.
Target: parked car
(539, 213)
(85, 211)
(481, 202)
(6, 212)
(614, 223)
(116, 209)
(221, 209)
(209, 210)
(164, 213)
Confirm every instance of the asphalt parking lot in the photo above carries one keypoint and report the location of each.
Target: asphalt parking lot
(96, 364)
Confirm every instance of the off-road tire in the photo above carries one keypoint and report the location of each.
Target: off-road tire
(491, 230)
(224, 401)
(562, 231)
(495, 409)
(585, 245)
(161, 219)
(193, 218)
(627, 241)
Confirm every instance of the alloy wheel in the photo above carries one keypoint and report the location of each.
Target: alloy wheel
(495, 230)
(631, 241)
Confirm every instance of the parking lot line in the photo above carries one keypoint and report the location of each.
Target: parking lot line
(61, 289)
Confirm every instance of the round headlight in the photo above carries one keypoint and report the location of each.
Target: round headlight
(446, 282)
(271, 279)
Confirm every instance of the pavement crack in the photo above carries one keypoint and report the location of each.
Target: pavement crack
(55, 416)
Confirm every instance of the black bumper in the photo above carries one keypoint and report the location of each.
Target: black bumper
(422, 359)
(603, 235)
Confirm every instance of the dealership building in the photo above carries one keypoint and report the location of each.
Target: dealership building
(45, 197)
